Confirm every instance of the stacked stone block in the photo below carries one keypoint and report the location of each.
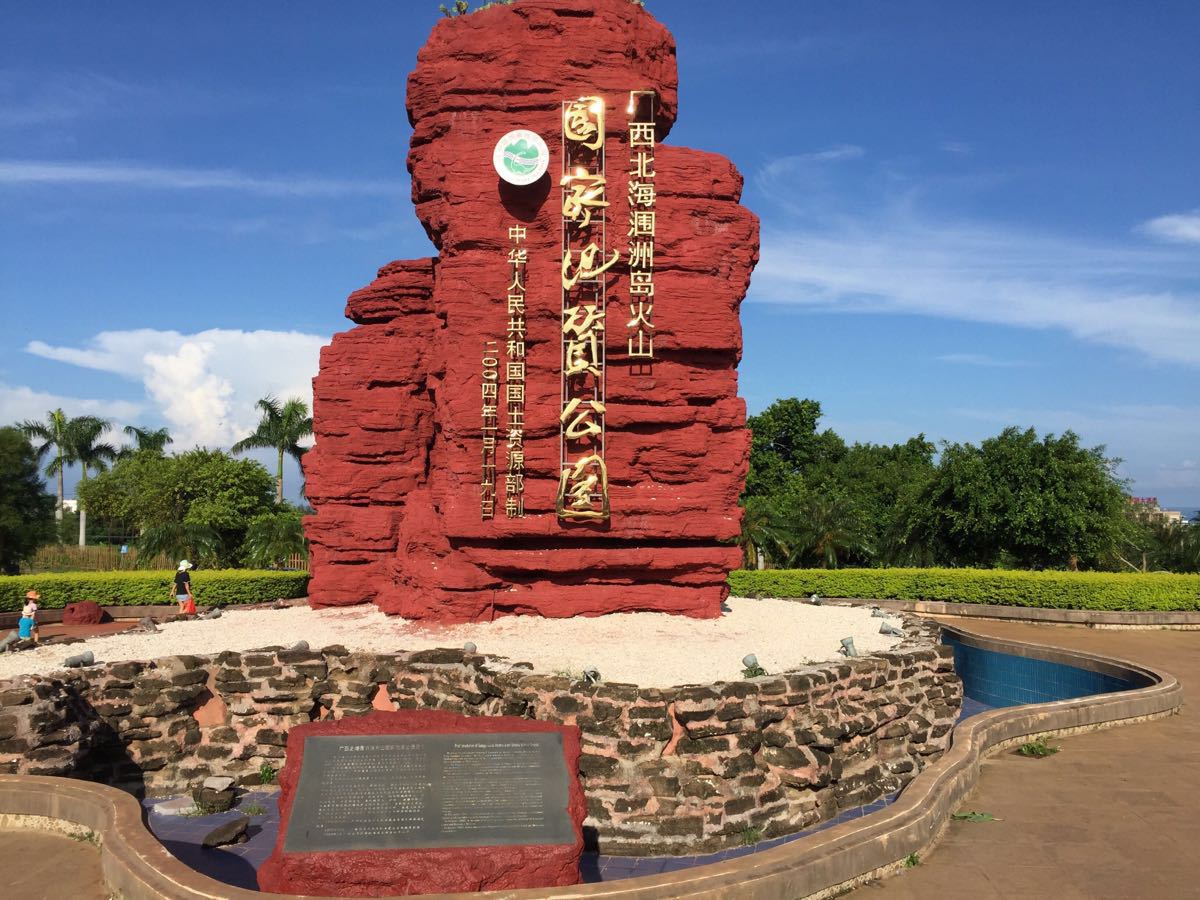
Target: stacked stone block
(665, 770)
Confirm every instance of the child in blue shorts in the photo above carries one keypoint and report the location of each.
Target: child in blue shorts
(27, 626)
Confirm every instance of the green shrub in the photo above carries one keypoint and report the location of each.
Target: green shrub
(227, 587)
(1000, 587)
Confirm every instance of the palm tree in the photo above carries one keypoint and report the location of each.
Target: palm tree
(273, 537)
(281, 428)
(83, 436)
(829, 525)
(52, 435)
(154, 440)
(178, 540)
(766, 537)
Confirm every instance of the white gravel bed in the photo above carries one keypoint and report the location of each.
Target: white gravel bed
(649, 649)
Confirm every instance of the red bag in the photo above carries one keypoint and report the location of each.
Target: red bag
(189, 608)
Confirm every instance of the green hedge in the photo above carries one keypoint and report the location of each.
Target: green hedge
(138, 588)
(1000, 587)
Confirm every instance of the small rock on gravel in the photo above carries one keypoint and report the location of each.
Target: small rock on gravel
(231, 832)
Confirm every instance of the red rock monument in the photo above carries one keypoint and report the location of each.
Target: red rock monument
(544, 417)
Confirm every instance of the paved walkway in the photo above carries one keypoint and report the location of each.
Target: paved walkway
(44, 866)
(1115, 814)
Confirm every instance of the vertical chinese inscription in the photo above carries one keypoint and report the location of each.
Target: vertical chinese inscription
(514, 380)
(489, 413)
(642, 215)
(583, 474)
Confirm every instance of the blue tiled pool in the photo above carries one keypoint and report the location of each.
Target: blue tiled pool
(991, 679)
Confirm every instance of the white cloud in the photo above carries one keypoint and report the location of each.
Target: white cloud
(19, 403)
(204, 385)
(960, 148)
(787, 165)
(38, 99)
(981, 359)
(896, 258)
(114, 174)
(1180, 228)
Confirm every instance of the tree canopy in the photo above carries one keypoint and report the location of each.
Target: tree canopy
(26, 510)
(197, 503)
(1016, 500)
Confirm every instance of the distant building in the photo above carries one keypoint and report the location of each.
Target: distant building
(1148, 508)
(71, 505)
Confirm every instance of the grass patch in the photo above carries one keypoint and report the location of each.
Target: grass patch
(751, 836)
(253, 809)
(1037, 749)
(974, 817)
(912, 861)
(267, 773)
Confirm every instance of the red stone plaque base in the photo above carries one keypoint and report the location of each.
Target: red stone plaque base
(376, 873)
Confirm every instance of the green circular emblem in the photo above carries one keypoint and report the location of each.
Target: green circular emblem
(521, 157)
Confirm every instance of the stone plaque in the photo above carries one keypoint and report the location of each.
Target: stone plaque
(403, 792)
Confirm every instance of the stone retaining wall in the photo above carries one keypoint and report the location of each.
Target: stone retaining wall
(674, 770)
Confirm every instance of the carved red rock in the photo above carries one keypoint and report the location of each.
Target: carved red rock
(85, 612)
(395, 474)
(377, 873)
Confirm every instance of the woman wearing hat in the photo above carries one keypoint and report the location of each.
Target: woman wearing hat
(183, 589)
(27, 625)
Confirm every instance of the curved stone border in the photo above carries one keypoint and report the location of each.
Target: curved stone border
(1092, 618)
(137, 866)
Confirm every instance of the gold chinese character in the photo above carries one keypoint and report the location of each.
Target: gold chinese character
(518, 256)
(641, 255)
(641, 134)
(516, 349)
(586, 194)
(514, 507)
(516, 371)
(587, 268)
(641, 193)
(641, 223)
(517, 284)
(516, 327)
(583, 122)
(489, 389)
(581, 424)
(516, 460)
(515, 393)
(645, 346)
(643, 164)
(582, 325)
(578, 485)
(643, 315)
(516, 232)
(516, 303)
(641, 283)
(516, 436)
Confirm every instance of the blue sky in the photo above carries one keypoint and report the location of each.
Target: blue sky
(974, 215)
